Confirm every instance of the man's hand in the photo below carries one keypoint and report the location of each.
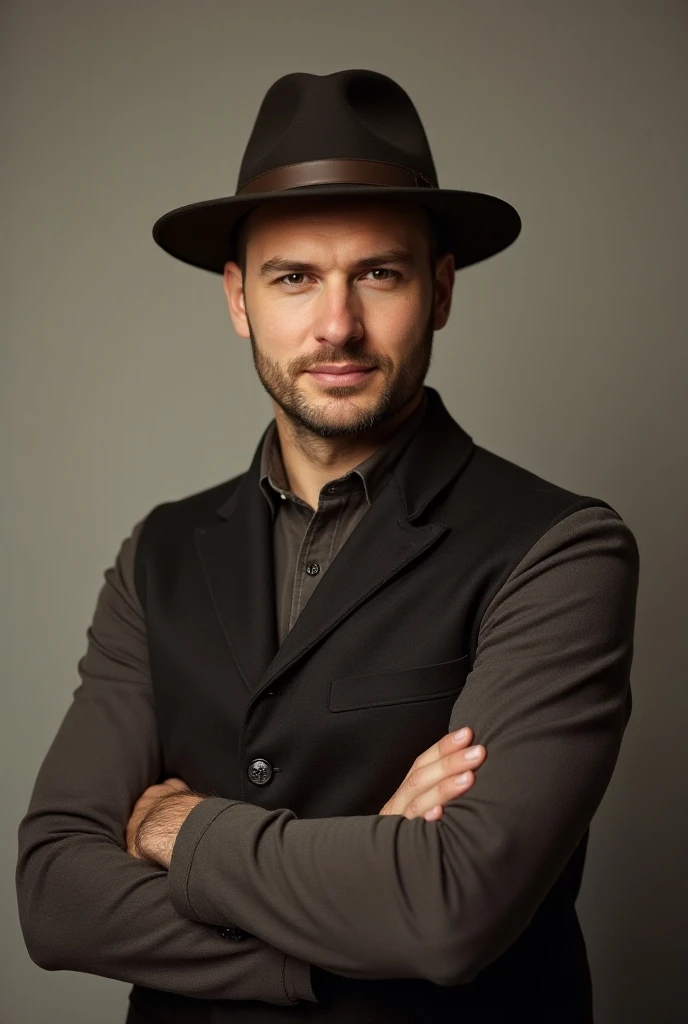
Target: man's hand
(433, 778)
(157, 816)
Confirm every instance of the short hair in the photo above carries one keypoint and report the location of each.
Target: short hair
(436, 236)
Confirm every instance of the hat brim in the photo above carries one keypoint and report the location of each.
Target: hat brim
(476, 225)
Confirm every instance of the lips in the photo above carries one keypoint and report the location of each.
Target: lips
(344, 368)
(342, 377)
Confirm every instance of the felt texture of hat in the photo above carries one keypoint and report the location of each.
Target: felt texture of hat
(353, 133)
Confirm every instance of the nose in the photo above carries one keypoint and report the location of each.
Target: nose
(339, 317)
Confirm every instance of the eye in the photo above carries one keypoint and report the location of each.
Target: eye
(384, 270)
(287, 279)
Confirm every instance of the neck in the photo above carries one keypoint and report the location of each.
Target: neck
(311, 461)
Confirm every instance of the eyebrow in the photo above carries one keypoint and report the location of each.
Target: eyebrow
(282, 263)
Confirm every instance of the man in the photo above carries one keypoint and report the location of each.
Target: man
(250, 810)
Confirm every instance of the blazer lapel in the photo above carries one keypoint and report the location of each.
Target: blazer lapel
(380, 546)
(237, 555)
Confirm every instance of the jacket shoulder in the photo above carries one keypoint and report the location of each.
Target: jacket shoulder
(507, 485)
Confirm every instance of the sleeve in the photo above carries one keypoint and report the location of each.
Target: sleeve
(383, 896)
(85, 904)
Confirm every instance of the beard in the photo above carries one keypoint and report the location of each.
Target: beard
(401, 384)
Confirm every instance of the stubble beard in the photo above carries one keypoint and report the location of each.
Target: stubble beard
(400, 385)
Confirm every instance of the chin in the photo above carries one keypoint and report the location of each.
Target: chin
(346, 413)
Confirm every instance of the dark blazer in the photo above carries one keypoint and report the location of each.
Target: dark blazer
(473, 592)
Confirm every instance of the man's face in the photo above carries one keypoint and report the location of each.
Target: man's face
(339, 282)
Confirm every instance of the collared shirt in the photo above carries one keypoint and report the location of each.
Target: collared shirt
(306, 540)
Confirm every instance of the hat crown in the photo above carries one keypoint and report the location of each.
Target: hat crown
(353, 114)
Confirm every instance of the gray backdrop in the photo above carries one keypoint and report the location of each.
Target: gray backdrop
(124, 385)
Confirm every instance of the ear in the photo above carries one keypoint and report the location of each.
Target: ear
(234, 290)
(444, 286)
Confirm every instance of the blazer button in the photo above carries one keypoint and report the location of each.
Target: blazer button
(312, 568)
(233, 934)
(260, 771)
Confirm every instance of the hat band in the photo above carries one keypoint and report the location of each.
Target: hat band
(335, 172)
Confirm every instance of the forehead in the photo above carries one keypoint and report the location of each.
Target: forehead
(336, 219)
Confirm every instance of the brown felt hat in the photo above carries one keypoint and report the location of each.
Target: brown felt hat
(351, 133)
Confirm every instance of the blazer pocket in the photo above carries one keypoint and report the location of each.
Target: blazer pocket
(401, 686)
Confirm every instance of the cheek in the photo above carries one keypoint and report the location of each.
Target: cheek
(397, 314)
(396, 328)
(280, 328)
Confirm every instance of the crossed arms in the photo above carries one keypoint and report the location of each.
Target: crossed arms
(548, 696)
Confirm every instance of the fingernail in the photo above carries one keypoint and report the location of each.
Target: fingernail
(458, 736)
(462, 778)
(472, 753)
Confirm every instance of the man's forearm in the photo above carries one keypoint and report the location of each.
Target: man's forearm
(85, 905)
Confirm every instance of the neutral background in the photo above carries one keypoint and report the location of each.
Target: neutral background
(123, 384)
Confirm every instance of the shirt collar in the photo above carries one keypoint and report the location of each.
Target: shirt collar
(370, 474)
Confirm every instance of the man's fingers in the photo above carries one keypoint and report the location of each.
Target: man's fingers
(438, 750)
(441, 780)
(456, 760)
(448, 789)
(433, 778)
